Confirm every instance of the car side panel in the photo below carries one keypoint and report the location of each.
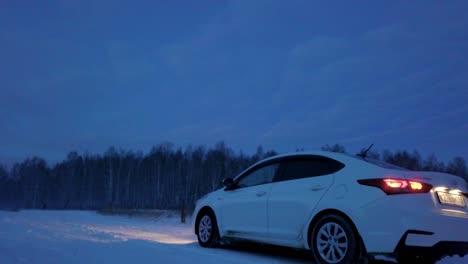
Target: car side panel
(244, 211)
(290, 204)
(347, 196)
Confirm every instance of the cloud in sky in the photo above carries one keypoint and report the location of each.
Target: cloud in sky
(88, 75)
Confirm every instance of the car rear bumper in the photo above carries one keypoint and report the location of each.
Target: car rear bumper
(389, 226)
(438, 250)
(443, 227)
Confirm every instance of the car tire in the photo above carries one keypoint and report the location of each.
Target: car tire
(333, 240)
(207, 229)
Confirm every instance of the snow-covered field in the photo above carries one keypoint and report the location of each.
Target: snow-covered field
(33, 236)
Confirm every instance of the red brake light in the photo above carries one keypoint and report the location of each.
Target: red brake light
(416, 185)
(397, 186)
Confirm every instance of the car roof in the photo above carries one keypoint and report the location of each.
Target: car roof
(329, 154)
(341, 157)
(333, 155)
(344, 158)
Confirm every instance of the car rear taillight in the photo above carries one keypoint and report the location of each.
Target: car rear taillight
(397, 186)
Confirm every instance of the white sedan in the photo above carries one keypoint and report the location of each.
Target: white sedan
(343, 208)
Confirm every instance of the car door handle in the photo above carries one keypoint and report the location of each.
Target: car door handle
(316, 188)
(260, 194)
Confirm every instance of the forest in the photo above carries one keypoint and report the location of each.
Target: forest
(164, 178)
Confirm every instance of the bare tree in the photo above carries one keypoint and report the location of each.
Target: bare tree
(458, 167)
(334, 148)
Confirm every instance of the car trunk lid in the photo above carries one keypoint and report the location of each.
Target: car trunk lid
(448, 192)
(438, 179)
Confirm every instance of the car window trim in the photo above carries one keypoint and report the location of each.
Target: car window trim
(258, 167)
(286, 160)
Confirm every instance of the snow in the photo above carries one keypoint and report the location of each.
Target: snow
(385, 258)
(453, 260)
(33, 236)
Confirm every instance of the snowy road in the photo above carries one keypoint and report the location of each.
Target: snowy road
(87, 237)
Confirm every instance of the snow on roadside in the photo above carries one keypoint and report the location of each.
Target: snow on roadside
(454, 260)
(34, 236)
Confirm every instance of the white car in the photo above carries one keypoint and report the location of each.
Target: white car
(343, 208)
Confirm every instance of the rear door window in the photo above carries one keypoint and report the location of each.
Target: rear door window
(299, 168)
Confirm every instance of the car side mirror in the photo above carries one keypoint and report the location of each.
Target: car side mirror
(228, 183)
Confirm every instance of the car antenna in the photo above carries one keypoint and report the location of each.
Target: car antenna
(363, 154)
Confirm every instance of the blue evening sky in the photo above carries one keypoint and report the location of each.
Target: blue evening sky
(85, 75)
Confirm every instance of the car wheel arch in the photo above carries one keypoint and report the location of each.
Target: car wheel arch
(330, 212)
(205, 209)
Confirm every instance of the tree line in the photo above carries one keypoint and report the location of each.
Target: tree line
(412, 160)
(165, 178)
